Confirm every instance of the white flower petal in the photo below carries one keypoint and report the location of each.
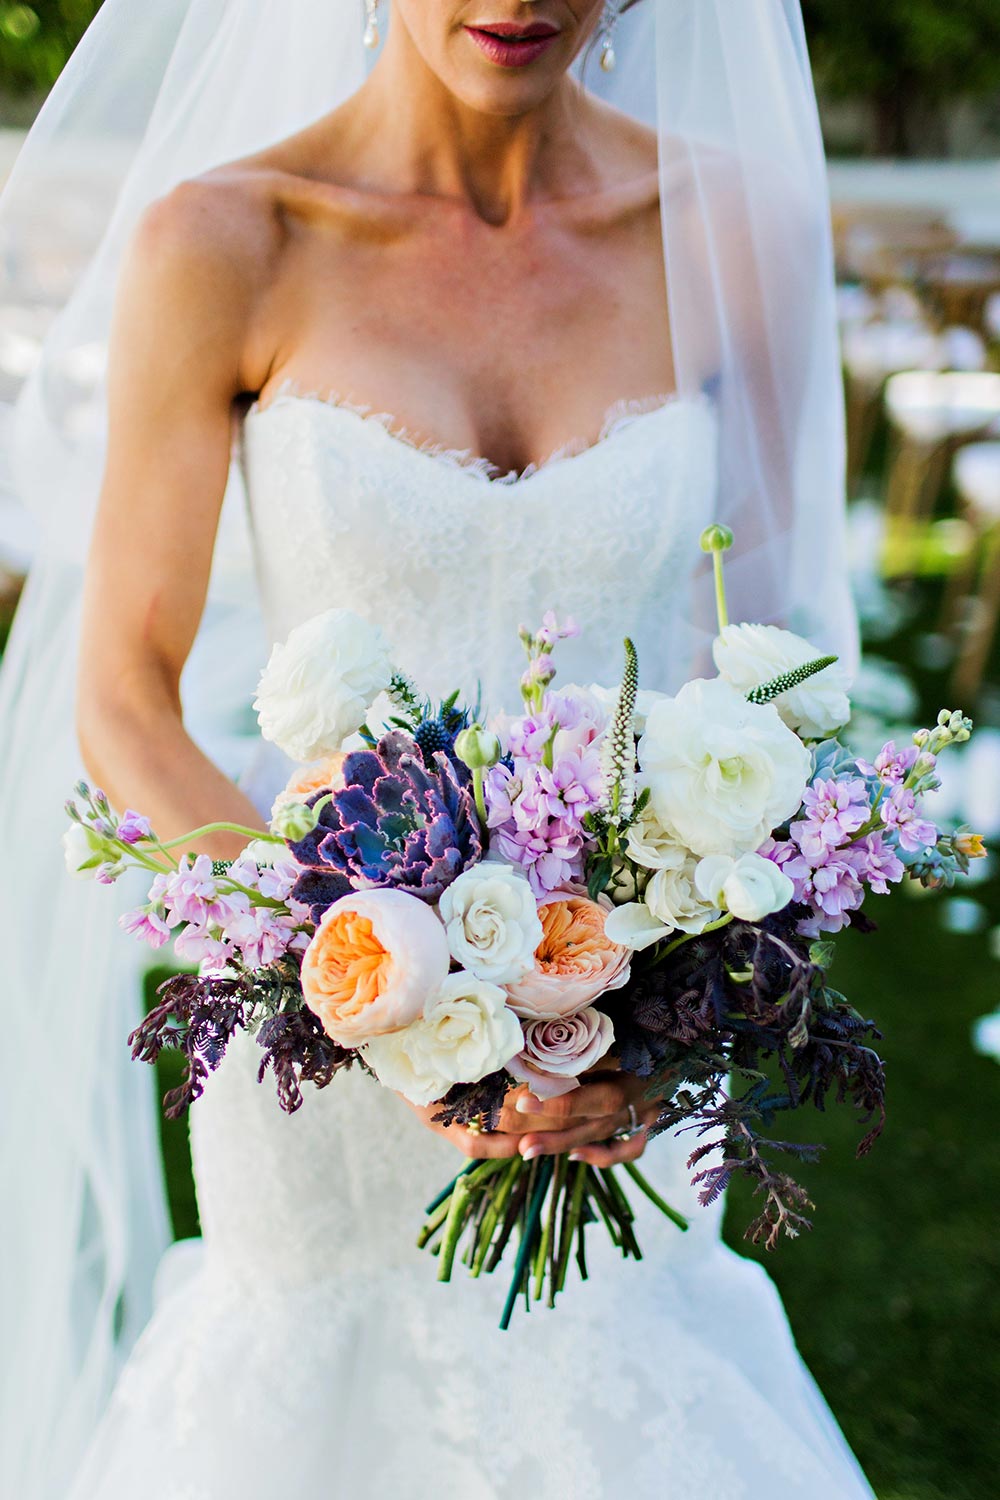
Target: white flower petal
(634, 926)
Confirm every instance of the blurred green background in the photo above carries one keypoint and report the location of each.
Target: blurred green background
(893, 1296)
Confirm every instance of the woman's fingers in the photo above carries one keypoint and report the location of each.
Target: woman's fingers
(613, 1153)
(523, 1113)
(483, 1145)
(586, 1134)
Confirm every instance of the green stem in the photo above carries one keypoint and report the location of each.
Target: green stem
(453, 1227)
(210, 828)
(689, 937)
(446, 1192)
(433, 1224)
(570, 1220)
(646, 1187)
(720, 591)
(477, 788)
(559, 1178)
(512, 1172)
(524, 1250)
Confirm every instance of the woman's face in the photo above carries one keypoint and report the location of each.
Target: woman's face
(502, 57)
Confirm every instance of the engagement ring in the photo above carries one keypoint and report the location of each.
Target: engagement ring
(632, 1129)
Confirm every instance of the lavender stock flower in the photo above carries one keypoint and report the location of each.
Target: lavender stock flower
(133, 827)
(833, 811)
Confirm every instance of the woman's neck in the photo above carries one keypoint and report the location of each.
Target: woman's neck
(420, 138)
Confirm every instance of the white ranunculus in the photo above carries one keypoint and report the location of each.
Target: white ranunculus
(674, 898)
(750, 887)
(749, 655)
(492, 922)
(465, 1033)
(317, 688)
(722, 772)
(82, 846)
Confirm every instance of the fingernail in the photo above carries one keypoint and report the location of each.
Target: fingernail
(532, 1152)
(577, 1156)
(529, 1105)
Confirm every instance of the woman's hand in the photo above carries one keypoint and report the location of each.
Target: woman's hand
(581, 1122)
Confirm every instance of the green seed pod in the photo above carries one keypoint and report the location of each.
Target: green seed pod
(478, 748)
(716, 538)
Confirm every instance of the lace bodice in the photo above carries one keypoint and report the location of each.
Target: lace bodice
(450, 556)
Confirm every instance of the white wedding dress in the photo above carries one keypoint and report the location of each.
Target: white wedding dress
(304, 1348)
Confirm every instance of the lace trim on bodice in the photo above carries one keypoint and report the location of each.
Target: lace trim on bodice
(617, 416)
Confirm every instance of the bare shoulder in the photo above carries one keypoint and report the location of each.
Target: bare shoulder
(625, 157)
(199, 267)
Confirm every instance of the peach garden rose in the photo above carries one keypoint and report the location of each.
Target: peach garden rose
(375, 959)
(305, 781)
(574, 963)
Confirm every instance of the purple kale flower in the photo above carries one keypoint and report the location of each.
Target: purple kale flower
(396, 823)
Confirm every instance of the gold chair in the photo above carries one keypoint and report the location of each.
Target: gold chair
(973, 605)
(931, 414)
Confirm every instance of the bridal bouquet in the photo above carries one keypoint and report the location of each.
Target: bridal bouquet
(613, 879)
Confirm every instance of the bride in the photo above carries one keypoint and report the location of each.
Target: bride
(474, 342)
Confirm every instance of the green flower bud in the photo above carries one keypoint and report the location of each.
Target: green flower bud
(716, 538)
(478, 748)
(294, 821)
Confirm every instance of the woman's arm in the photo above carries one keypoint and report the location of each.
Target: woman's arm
(184, 320)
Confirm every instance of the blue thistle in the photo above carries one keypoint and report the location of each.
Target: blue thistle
(398, 822)
(433, 735)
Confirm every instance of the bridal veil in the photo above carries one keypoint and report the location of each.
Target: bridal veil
(161, 90)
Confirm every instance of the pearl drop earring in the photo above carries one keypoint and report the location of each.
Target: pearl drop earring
(370, 37)
(608, 22)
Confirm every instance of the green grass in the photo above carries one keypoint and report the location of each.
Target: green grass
(892, 1296)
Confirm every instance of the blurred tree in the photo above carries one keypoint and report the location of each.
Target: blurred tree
(37, 38)
(905, 57)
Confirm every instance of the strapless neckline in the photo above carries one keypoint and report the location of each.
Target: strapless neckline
(382, 427)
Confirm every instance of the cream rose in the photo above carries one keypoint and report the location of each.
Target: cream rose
(722, 772)
(674, 898)
(492, 922)
(556, 1052)
(318, 687)
(671, 902)
(375, 959)
(466, 1032)
(749, 655)
(750, 887)
(648, 842)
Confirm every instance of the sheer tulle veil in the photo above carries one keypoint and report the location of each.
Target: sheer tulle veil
(160, 90)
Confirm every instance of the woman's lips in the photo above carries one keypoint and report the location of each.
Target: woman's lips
(509, 48)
